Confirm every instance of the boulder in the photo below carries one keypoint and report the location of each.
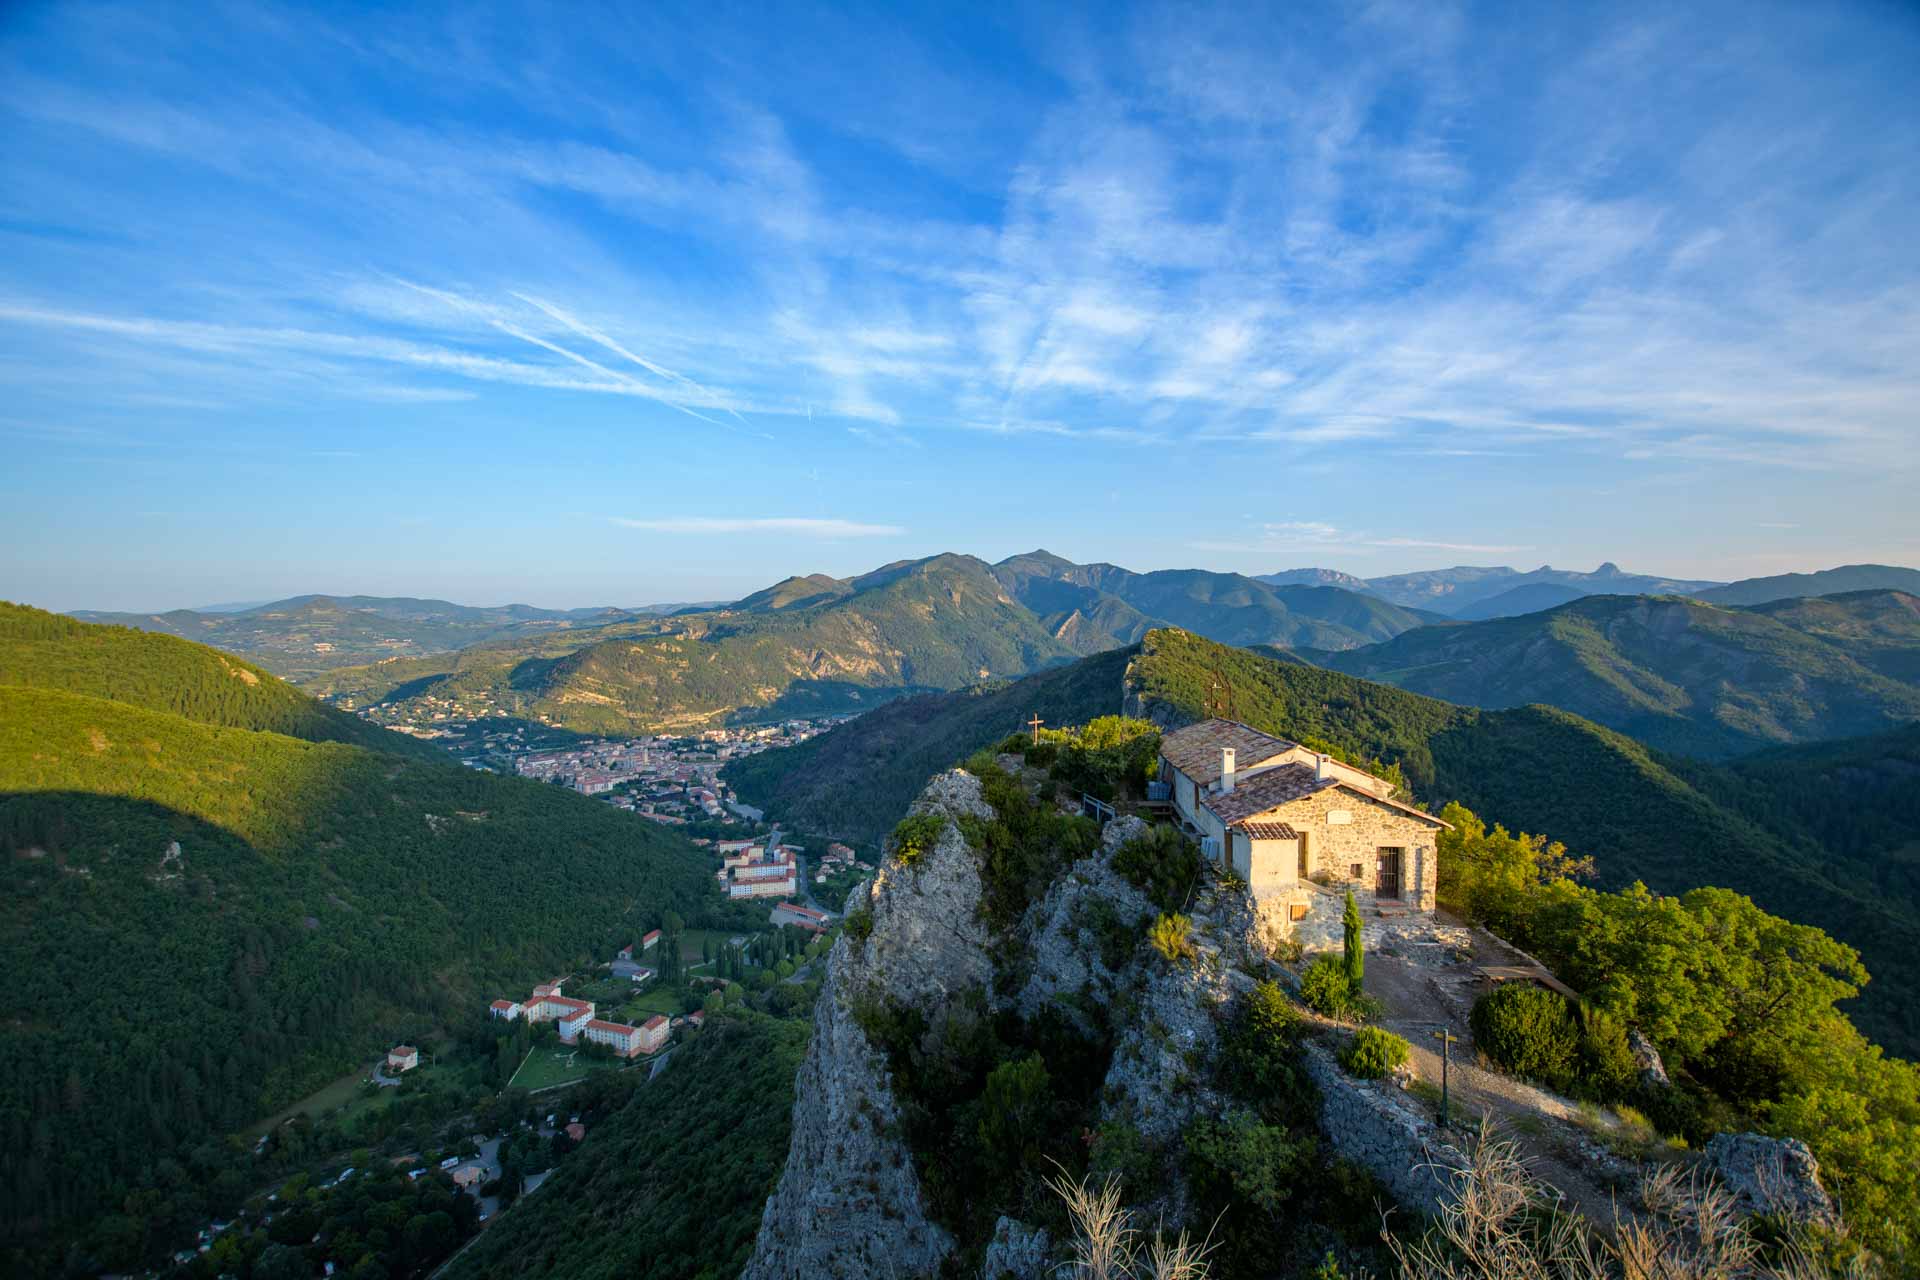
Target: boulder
(1016, 1252)
(1653, 1072)
(1774, 1176)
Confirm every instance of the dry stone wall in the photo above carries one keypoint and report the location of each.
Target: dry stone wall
(1371, 1124)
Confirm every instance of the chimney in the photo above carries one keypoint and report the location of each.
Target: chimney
(1226, 770)
(1319, 768)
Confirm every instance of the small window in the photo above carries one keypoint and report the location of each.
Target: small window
(1354, 871)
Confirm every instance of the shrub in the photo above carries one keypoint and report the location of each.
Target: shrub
(1172, 937)
(1120, 1151)
(1324, 988)
(916, 836)
(1163, 864)
(1605, 1067)
(1013, 1113)
(1530, 1031)
(859, 924)
(1257, 1055)
(1239, 1160)
(1373, 1053)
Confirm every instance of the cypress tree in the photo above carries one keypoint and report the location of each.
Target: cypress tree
(1356, 960)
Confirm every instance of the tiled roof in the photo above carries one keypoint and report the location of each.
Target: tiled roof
(1195, 750)
(1290, 782)
(618, 1028)
(1267, 830)
(1264, 791)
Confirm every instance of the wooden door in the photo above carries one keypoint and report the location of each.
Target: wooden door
(1386, 880)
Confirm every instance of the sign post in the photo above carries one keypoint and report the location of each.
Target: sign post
(1447, 1040)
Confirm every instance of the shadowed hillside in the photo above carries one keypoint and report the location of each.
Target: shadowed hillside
(204, 923)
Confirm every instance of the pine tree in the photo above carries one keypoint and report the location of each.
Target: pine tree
(1356, 960)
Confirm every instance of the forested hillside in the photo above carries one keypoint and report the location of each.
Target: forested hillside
(1683, 676)
(1532, 768)
(163, 673)
(203, 923)
(673, 1184)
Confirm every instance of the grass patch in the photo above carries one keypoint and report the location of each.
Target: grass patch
(546, 1067)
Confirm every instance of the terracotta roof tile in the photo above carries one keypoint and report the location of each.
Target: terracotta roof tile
(1264, 791)
(1195, 750)
(1267, 830)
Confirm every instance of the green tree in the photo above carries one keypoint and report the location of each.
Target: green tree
(1354, 950)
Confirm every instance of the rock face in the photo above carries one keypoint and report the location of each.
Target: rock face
(849, 1203)
(1773, 1176)
(1066, 928)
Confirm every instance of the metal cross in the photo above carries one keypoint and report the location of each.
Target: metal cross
(1447, 1040)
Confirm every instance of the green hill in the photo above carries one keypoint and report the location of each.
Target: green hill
(203, 923)
(672, 1185)
(1681, 675)
(1642, 816)
(162, 673)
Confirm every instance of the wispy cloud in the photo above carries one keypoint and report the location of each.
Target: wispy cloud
(805, 527)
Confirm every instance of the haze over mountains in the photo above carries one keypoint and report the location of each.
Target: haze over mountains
(1687, 676)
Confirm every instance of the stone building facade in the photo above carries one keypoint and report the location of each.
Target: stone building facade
(1283, 818)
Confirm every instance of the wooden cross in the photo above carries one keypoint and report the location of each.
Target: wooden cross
(1035, 724)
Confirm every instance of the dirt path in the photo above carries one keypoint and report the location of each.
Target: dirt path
(1419, 998)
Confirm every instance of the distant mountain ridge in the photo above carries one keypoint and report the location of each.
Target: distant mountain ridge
(824, 645)
(1452, 591)
(303, 635)
(1677, 673)
(1826, 582)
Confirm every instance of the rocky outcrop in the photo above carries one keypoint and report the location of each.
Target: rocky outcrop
(1647, 1061)
(1774, 1176)
(849, 1203)
(1081, 923)
(1156, 1081)
(1016, 1252)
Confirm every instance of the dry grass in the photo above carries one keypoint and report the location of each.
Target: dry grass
(1107, 1246)
(1501, 1223)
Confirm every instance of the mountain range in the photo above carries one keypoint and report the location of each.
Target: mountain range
(1824, 850)
(822, 645)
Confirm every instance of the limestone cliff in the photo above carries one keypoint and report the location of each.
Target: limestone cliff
(849, 1203)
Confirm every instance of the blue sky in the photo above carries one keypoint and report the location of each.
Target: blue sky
(582, 305)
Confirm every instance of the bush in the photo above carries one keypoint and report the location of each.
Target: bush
(1373, 1053)
(1163, 864)
(1172, 937)
(1120, 1151)
(1325, 989)
(1240, 1160)
(859, 924)
(1530, 1031)
(915, 837)
(1605, 1068)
